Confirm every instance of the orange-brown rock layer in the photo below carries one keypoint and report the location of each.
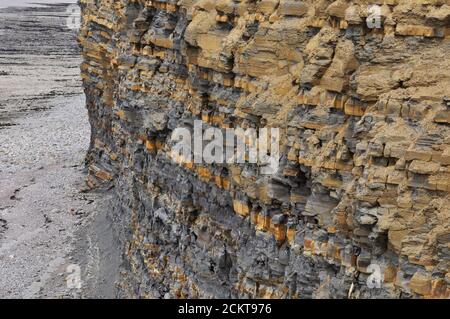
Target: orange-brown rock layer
(364, 113)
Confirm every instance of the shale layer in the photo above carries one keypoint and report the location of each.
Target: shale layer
(360, 205)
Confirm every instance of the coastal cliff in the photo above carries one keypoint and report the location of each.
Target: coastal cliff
(359, 207)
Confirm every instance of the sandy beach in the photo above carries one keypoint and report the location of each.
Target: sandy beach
(47, 219)
(29, 3)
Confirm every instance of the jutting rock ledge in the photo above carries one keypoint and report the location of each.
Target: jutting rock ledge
(365, 169)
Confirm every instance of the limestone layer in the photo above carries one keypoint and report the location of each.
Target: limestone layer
(360, 206)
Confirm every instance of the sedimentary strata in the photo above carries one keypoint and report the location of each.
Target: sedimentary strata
(363, 105)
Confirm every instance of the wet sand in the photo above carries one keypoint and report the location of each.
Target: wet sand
(47, 219)
(39, 60)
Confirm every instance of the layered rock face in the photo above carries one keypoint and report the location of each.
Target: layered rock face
(360, 205)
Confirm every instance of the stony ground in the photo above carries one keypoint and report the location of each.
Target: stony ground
(47, 219)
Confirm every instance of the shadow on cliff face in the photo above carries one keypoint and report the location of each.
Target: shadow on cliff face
(98, 253)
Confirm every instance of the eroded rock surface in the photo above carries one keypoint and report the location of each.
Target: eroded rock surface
(364, 114)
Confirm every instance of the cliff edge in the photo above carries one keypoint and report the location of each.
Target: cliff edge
(359, 206)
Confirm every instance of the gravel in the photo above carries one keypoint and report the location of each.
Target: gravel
(49, 224)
